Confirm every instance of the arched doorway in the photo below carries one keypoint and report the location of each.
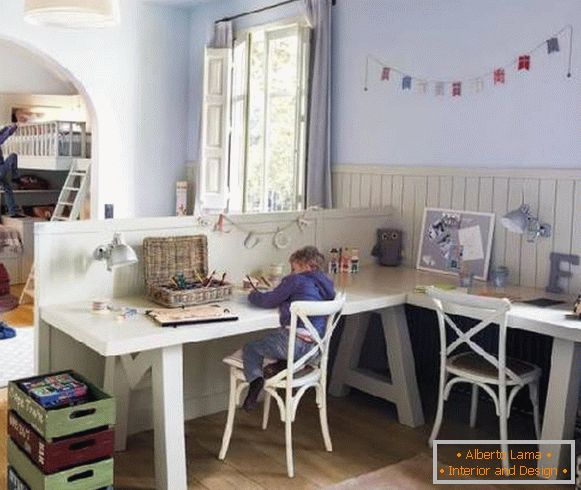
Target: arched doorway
(57, 124)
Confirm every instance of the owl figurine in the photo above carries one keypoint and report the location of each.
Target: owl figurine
(388, 248)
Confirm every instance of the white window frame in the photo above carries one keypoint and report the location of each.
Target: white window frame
(237, 170)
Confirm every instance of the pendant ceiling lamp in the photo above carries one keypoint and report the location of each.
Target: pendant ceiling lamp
(72, 14)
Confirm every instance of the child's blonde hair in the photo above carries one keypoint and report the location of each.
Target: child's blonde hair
(310, 256)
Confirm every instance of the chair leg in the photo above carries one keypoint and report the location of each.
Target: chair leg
(289, 442)
(266, 408)
(503, 421)
(534, 395)
(324, 422)
(474, 406)
(230, 419)
(439, 414)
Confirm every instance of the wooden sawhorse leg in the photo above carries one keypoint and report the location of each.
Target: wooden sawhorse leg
(562, 399)
(402, 387)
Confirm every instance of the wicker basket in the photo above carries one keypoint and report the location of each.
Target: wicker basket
(166, 257)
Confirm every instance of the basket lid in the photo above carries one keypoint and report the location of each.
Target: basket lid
(164, 257)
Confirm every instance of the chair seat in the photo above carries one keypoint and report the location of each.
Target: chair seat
(307, 375)
(235, 360)
(472, 365)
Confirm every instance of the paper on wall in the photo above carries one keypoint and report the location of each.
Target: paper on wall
(471, 241)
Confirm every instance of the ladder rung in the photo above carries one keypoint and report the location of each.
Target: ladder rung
(71, 188)
(65, 203)
(59, 218)
(79, 173)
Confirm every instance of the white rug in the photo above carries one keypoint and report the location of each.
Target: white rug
(17, 356)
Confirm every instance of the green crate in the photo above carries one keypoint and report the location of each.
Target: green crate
(85, 477)
(65, 421)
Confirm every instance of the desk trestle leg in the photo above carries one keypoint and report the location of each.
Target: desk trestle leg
(168, 419)
(402, 387)
(562, 398)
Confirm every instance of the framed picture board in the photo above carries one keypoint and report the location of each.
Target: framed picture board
(451, 238)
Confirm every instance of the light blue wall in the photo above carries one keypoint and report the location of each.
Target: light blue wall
(532, 121)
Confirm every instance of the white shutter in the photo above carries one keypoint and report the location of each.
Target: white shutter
(213, 181)
(238, 136)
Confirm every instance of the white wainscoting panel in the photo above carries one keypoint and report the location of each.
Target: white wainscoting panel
(555, 194)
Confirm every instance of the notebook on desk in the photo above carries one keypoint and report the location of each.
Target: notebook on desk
(176, 317)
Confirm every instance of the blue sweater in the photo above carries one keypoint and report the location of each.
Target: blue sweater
(305, 286)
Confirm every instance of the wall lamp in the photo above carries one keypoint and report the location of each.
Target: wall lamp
(522, 221)
(116, 253)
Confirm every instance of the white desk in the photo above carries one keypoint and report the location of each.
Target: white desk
(378, 289)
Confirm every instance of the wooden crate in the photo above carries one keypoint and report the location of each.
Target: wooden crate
(14, 481)
(65, 421)
(61, 454)
(86, 477)
(165, 257)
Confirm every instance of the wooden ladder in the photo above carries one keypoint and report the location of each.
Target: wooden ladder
(68, 208)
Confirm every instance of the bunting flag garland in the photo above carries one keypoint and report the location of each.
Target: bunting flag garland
(476, 84)
(524, 62)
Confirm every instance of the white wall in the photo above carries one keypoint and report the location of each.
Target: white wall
(136, 76)
(24, 73)
(531, 122)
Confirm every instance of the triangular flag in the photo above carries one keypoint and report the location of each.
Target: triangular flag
(439, 88)
(524, 62)
(553, 45)
(456, 89)
(421, 86)
(385, 74)
(499, 76)
(406, 83)
(478, 85)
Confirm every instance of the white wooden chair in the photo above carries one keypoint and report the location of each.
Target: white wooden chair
(478, 367)
(310, 371)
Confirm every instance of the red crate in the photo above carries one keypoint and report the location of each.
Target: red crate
(52, 457)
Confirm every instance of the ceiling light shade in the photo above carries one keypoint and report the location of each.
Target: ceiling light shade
(72, 14)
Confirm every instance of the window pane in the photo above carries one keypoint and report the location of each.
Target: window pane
(281, 123)
(256, 120)
(273, 120)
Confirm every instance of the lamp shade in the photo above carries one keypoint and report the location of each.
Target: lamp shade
(72, 14)
(517, 221)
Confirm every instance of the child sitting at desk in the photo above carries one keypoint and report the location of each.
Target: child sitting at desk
(306, 283)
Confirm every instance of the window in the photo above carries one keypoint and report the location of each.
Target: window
(267, 112)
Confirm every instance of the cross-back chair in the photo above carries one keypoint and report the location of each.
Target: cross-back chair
(288, 386)
(499, 376)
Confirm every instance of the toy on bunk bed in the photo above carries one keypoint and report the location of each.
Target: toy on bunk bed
(176, 272)
(577, 307)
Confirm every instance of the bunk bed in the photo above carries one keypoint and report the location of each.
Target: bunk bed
(51, 145)
(44, 146)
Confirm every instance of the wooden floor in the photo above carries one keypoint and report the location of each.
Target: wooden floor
(365, 433)
(23, 316)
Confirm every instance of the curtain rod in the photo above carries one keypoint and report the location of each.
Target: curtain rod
(257, 11)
